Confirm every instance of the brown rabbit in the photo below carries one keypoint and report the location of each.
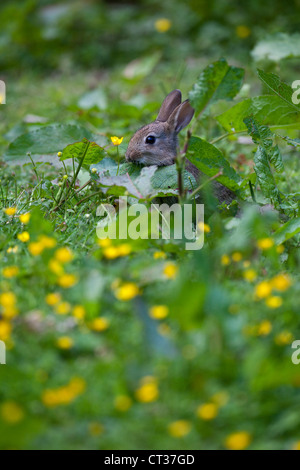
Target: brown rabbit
(157, 142)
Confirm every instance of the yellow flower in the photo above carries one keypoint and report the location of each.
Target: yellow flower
(159, 312)
(265, 243)
(250, 275)
(207, 411)
(95, 429)
(127, 291)
(23, 237)
(5, 330)
(162, 25)
(123, 402)
(124, 249)
(10, 271)
(67, 280)
(220, 398)
(179, 428)
(11, 412)
(296, 446)
(159, 255)
(47, 242)
(148, 391)
(264, 328)
(53, 298)
(24, 218)
(111, 252)
(116, 140)
(64, 395)
(238, 440)
(170, 270)
(9, 312)
(13, 249)
(274, 301)
(281, 282)
(236, 256)
(284, 338)
(63, 255)
(246, 264)
(225, 260)
(65, 342)
(63, 308)
(242, 31)
(104, 242)
(35, 248)
(204, 227)
(263, 290)
(79, 312)
(280, 249)
(56, 267)
(99, 324)
(7, 299)
(10, 211)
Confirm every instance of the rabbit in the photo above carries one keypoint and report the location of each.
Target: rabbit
(157, 142)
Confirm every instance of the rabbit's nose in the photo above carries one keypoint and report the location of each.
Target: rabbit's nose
(128, 156)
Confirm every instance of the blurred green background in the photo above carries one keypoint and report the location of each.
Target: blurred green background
(216, 372)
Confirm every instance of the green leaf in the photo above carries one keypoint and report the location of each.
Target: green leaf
(264, 173)
(280, 88)
(93, 153)
(93, 99)
(208, 159)
(218, 81)
(267, 109)
(286, 231)
(45, 140)
(277, 47)
(261, 135)
(294, 142)
(166, 178)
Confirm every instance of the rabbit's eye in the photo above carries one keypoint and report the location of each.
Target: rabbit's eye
(150, 139)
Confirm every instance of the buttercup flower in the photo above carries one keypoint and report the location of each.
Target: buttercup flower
(159, 255)
(23, 237)
(127, 291)
(24, 218)
(65, 342)
(225, 260)
(284, 338)
(207, 411)
(264, 328)
(67, 280)
(5, 330)
(63, 308)
(263, 289)
(53, 298)
(148, 391)
(99, 324)
(250, 275)
(238, 440)
(274, 301)
(10, 271)
(281, 282)
(170, 270)
(179, 428)
(236, 256)
(162, 25)
(11, 412)
(63, 255)
(116, 140)
(265, 243)
(123, 402)
(11, 211)
(159, 312)
(79, 312)
(203, 227)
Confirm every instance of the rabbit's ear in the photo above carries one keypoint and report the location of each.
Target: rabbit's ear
(181, 116)
(170, 103)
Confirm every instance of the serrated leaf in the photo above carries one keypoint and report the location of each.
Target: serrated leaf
(45, 140)
(91, 151)
(289, 141)
(277, 47)
(280, 88)
(209, 160)
(267, 109)
(264, 173)
(286, 231)
(261, 135)
(218, 81)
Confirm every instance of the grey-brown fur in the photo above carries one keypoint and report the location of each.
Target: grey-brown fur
(173, 116)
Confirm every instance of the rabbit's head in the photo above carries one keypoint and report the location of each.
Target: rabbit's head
(157, 142)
